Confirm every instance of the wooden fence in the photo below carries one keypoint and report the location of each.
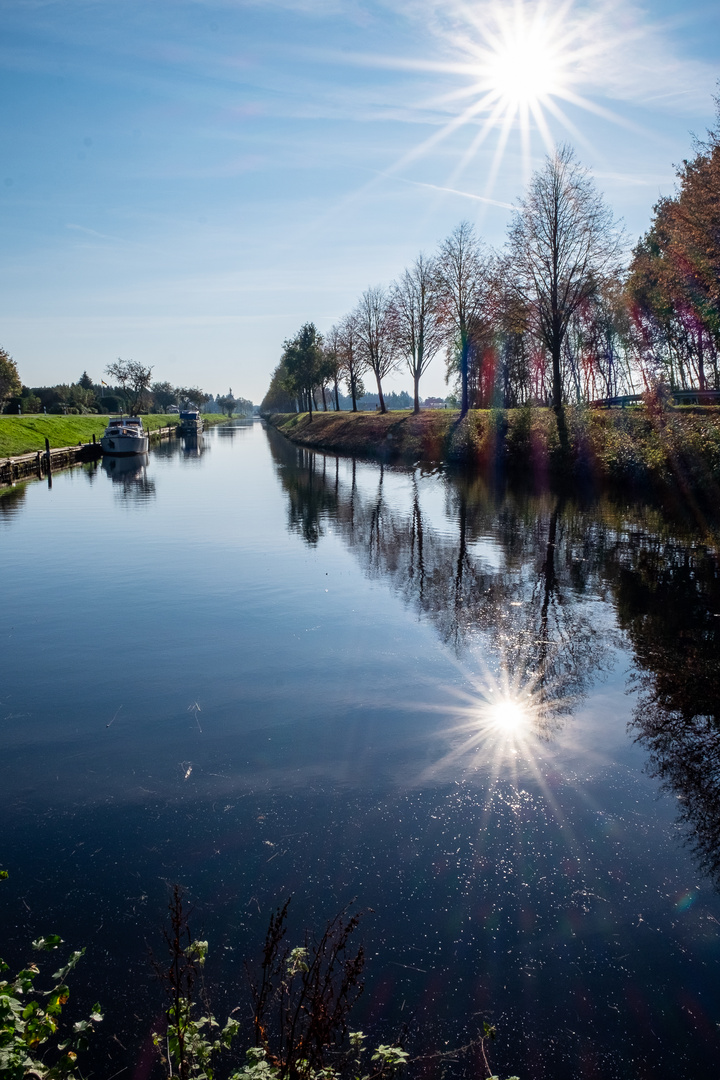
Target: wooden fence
(45, 462)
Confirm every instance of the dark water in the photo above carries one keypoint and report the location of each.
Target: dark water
(491, 717)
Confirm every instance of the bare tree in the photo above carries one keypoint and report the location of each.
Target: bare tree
(374, 332)
(353, 364)
(462, 269)
(563, 244)
(416, 314)
(332, 363)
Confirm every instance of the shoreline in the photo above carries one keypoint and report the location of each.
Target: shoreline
(33, 462)
(673, 447)
(26, 434)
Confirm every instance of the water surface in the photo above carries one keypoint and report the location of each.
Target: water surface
(490, 716)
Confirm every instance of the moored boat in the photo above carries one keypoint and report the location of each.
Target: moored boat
(191, 422)
(125, 435)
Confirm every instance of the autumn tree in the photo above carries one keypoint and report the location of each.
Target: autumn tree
(416, 317)
(674, 281)
(563, 243)
(373, 325)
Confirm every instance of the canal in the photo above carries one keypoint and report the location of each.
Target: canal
(489, 717)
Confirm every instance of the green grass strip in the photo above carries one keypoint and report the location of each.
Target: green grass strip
(26, 434)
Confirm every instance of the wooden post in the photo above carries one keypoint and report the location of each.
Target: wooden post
(47, 455)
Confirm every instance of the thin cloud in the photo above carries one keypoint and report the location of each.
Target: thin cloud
(451, 191)
(95, 233)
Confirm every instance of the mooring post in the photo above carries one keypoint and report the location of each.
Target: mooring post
(47, 455)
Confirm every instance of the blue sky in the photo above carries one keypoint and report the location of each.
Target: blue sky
(185, 184)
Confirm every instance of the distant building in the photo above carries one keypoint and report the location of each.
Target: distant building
(433, 403)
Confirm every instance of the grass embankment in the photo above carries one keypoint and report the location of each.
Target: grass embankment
(26, 434)
(630, 445)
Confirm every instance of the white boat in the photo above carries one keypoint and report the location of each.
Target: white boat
(191, 422)
(125, 435)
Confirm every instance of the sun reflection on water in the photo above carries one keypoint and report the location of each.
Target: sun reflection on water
(507, 716)
(495, 726)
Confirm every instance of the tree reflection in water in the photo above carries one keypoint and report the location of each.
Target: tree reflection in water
(521, 621)
(535, 616)
(669, 605)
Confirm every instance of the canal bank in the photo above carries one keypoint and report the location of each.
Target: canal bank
(638, 446)
(40, 445)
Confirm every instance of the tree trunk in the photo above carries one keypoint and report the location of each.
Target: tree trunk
(464, 356)
(416, 402)
(701, 362)
(324, 398)
(337, 397)
(556, 373)
(353, 393)
(380, 394)
(310, 403)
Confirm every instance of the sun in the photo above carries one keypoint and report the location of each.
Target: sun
(522, 66)
(516, 78)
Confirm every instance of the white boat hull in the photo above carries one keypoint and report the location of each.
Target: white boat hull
(124, 444)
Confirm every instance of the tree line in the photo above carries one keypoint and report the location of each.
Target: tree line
(130, 389)
(560, 314)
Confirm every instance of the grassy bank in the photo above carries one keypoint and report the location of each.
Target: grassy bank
(26, 434)
(632, 445)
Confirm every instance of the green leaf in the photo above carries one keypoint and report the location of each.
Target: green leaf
(47, 943)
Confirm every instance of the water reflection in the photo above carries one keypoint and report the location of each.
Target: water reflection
(193, 447)
(502, 585)
(234, 428)
(669, 604)
(130, 476)
(11, 501)
(518, 585)
(258, 734)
